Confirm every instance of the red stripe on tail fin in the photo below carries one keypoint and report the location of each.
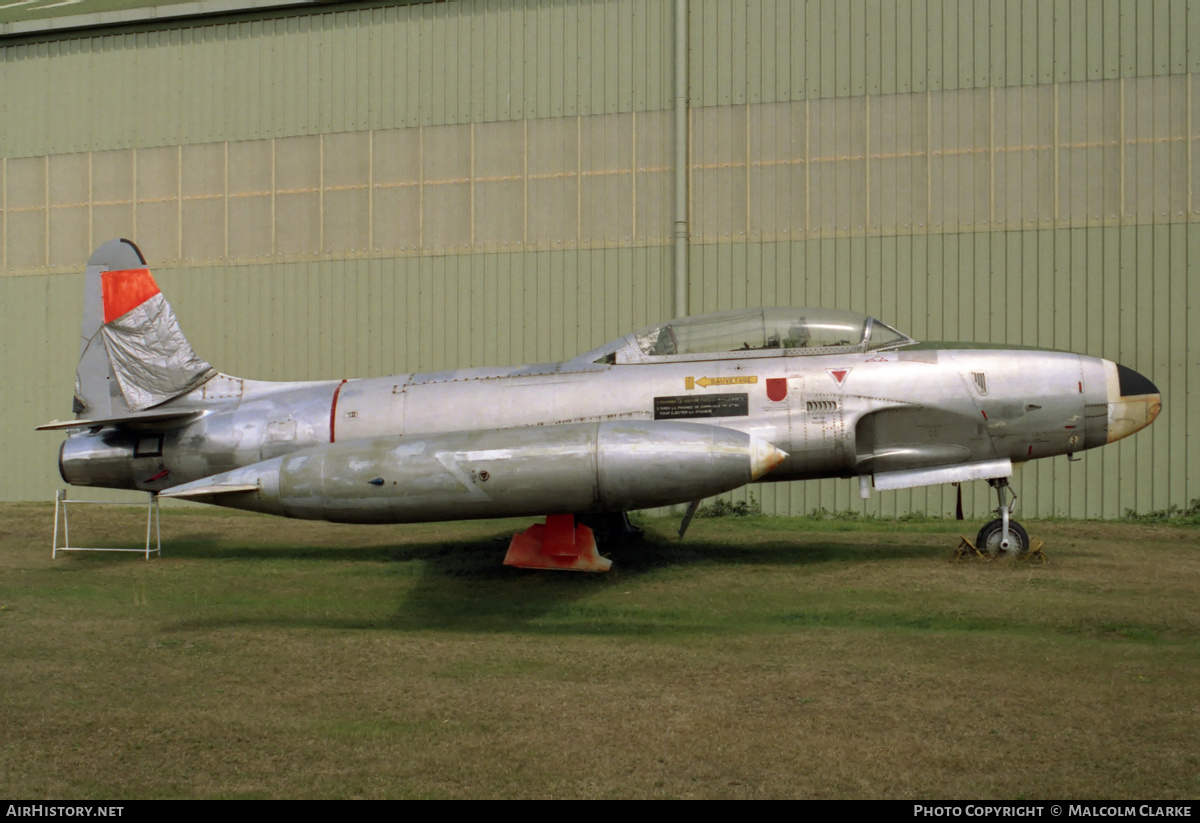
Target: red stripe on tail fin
(125, 290)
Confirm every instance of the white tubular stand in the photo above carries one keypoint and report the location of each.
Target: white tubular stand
(60, 500)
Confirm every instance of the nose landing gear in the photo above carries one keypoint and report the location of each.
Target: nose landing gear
(1003, 536)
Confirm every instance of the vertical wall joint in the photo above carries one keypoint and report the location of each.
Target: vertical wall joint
(681, 158)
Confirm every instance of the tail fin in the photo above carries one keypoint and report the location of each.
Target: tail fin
(133, 356)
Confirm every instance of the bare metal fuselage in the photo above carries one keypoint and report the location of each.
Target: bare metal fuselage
(489, 442)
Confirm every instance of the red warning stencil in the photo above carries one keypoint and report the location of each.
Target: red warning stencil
(838, 375)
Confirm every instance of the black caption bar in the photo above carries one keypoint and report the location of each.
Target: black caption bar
(706, 405)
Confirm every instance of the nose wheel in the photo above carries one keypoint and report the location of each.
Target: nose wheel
(1003, 536)
(991, 536)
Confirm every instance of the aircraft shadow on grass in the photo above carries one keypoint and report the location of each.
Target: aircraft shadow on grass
(462, 586)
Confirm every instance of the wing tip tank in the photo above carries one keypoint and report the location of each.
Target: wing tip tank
(764, 456)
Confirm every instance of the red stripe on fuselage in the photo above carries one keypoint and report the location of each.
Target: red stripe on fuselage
(333, 409)
(123, 291)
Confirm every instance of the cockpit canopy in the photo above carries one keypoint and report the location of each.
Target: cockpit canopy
(755, 332)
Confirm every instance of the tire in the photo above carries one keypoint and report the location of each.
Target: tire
(988, 540)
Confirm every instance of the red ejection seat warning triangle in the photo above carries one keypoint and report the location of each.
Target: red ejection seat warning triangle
(838, 375)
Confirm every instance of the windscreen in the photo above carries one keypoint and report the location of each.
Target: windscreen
(754, 329)
(884, 336)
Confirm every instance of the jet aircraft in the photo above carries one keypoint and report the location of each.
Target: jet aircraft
(668, 415)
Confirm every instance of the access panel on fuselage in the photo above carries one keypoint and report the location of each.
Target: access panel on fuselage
(368, 408)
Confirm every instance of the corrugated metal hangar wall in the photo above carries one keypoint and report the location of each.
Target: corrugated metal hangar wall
(362, 190)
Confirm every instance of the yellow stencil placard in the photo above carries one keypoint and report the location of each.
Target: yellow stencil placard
(705, 382)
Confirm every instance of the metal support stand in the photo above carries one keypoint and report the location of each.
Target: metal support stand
(152, 520)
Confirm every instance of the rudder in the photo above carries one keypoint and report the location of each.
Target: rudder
(133, 355)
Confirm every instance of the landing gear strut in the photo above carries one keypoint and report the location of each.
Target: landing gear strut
(1003, 536)
(611, 529)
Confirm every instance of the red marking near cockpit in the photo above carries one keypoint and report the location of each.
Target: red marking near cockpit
(776, 388)
(333, 409)
(838, 375)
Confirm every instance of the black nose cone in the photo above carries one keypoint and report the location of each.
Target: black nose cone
(1133, 383)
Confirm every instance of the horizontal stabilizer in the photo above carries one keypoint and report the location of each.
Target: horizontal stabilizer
(158, 418)
(209, 491)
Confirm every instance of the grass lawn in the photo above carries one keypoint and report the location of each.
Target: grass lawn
(762, 657)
